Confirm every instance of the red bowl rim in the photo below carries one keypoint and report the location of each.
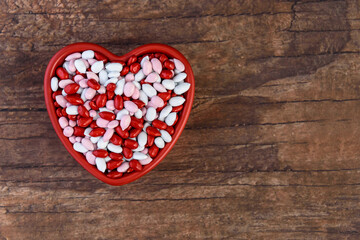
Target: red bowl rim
(58, 59)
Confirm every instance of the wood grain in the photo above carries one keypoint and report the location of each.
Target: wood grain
(271, 149)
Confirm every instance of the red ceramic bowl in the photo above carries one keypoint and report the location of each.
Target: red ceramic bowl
(57, 61)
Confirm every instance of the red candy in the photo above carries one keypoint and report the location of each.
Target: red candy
(93, 84)
(124, 71)
(101, 153)
(166, 74)
(122, 133)
(153, 151)
(116, 156)
(170, 130)
(136, 123)
(107, 115)
(159, 124)
(135, 132)
(83, 112)
(116, 139)
(139, 103)
(101, 100)
(177, 109)
(127, 152)
(93, 106)
(100, 57)
(62, 73)
(110, 95)
(74, 99)
(150, 140)
(84, 122)
(111, 87)
(134, 164)
(79, 131)
(112, 164)
(71, 88)
(97, 132)
(153, 132)
(164, 96)
(169, 65)
(114, 174)
(132, 144)
(135, 67)
(131, 60)
(118, 102)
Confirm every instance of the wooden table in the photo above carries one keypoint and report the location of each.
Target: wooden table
(271, 149)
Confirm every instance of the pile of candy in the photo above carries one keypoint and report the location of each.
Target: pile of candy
(119, 115)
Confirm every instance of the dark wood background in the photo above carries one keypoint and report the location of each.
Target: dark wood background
(271, 149)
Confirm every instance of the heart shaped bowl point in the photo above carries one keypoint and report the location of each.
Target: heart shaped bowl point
(58, 59)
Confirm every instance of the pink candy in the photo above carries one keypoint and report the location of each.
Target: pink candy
(130, 106)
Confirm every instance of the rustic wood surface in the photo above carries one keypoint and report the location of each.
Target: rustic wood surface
(271, 149)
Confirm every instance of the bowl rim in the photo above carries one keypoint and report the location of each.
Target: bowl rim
(57, 61)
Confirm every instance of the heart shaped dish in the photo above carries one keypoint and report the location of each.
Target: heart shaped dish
(138, 119)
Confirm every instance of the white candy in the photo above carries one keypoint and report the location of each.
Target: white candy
(150, 114)
(72, 110)
(159, 142)
(114, 67)
(63, 93)
(54, 84)
(114, 74)
(80, 90)
(102, 90)
(79, 147)
(165, 136)
(97, 66)
(104, 109)
(149, 90)
(101, 144)
(180, 77)
(87, 131)
(111, 80)
(138, 114)
(83, 95)
(143, 60)
(139, 76)
(137, 85)
(94, 139)
(80, 65)
(96, 117)
(139, 156)
(107, 159)
(170, 119)
(143, 97)
(121, 113)
(165, 112)
(119, 90)
(182, 88)
(176, 101)
(168, 84)
(139, 149)
(100, 164)
(142, 139)
(103, 76)
(114, 148)
(66, 66)
(146, 125)
(88, 54)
